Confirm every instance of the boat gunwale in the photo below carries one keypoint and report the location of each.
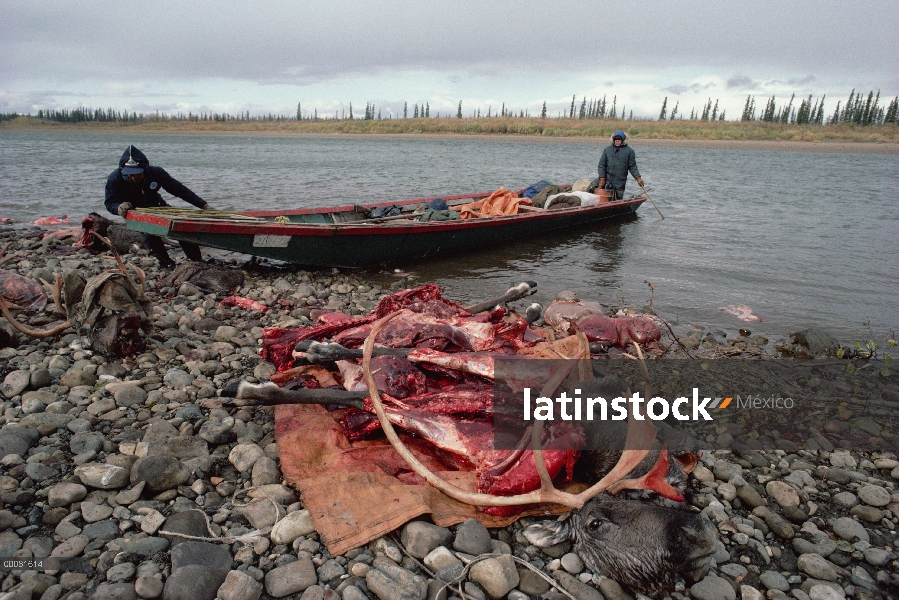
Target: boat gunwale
(218, 226)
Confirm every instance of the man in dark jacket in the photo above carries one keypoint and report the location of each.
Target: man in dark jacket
(135, 184)
(616, 161)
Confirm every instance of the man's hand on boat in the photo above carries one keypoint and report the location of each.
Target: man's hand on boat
(210, 207)
(124, 207)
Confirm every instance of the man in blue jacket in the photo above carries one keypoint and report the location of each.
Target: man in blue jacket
(616, 161)
(135, 184)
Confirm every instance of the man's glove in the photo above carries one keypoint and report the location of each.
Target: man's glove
(209, 207)
(124, 207)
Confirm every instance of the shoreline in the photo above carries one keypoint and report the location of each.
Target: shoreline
(115, 462)
(770, 145)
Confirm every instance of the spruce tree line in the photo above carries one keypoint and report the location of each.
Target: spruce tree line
(87, 115)
(594, 109)
(859, 109)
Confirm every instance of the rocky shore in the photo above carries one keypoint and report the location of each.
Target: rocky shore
(127, 472)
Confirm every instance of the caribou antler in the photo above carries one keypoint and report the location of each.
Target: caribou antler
(4, 308)
(141, 276)
(55, 291)
(640, 436)
(5, 259)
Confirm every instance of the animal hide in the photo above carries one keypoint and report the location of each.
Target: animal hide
(21, 293)
(123, 240)
(210, 278)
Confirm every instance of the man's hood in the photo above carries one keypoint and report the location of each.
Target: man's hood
(620, 134)
(133, 158)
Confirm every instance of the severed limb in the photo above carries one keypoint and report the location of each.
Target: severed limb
(523, 289)
(322, 352)
(269, 394)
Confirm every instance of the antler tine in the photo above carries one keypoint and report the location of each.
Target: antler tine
(56, 293)
(4, 308)
(473, 498)
(118, 258)
(653, 480)
(3, 258)
(141, 276)
(640, 436)
(642, 362)
(537, 432)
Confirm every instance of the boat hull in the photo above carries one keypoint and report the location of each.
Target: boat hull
(352, 245)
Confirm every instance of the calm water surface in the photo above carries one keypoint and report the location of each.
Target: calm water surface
(804, 239)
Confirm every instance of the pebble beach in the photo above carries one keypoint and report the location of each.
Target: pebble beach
(129, 470)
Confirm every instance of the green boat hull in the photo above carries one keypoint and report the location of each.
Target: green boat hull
(307, 241)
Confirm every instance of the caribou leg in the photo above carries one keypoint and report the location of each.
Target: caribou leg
(322, 352)
(268, 394)
(525, 288)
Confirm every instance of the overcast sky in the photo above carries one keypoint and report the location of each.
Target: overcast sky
(265, 57)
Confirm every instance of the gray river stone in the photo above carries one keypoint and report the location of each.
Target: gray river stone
(11, 443)
(86, 441)
(472, 538)
(161, 472)
(713, 587)
(15, 383)
(193, 582)
(850, 530)
(296, 576)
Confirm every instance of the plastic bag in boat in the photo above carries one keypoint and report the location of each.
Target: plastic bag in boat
(379, 212)
(533, 190)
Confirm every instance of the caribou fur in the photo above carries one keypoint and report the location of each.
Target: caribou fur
(636, 543)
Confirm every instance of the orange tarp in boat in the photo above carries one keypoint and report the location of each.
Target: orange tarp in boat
(499, 203)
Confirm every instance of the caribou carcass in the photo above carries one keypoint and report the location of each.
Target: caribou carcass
(644, 541)
(640, 544)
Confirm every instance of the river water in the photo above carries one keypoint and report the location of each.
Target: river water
(804, 239)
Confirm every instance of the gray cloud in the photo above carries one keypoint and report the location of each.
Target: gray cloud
(694, 88)
(299, 43)
(741, 82)
(62, 44)
(803, 81)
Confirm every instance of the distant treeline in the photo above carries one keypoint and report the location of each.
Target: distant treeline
(109, 115)
(858, 109)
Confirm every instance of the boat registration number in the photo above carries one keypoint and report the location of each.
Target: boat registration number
(271, 241)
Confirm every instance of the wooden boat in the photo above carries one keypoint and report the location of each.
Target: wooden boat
(346, 236)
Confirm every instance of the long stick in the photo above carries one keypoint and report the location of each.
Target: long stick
(653, 202)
